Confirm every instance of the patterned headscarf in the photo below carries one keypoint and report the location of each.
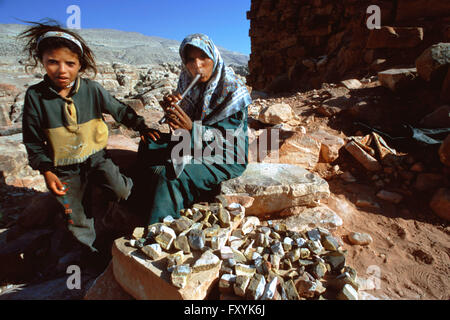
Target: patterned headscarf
(223, 95)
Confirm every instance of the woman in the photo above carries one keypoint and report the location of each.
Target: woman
(212, 122)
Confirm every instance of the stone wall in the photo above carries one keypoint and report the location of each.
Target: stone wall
(298, 44)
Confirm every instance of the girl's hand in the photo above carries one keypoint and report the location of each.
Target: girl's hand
(152, 133)
(54, 184)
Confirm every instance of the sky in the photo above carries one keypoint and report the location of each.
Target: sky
(224, 21)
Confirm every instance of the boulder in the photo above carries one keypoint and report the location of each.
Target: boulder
(440, 203)
(276, 114)
(440, 118)
(303, 219)
(14, 164)
(329, 145)
(394, 37)
(276, 187)
(105, 287)
(433, 62)
(396, 79)
(444, 151)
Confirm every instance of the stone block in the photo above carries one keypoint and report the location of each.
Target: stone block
(149, 280)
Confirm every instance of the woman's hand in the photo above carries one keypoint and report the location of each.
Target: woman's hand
(54, 184)
(176, 117)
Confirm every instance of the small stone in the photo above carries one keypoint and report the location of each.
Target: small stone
(181, 224)
(212, 231)
(197, 216)
(275, 235)
(287, 243)
(153, 251)
(231, 262)
(304, 253)
(224, 217)
(182, 243)
(239, 256)
(165, 237)
(133, 243)
(196, 239)
(249, 224)
(179, 275)
(236, 244)
(341, 280)
(226, 283)
(390, 196)
(226, 253)
(270, 289)
(260, 239)
(336, 260)
(275, 261)
(348, 177)
(348, 293)
(367, 203)
(277, 248)
(314, 235)
(294, 255)
(168, 220)
(361, 239)
(140, 243)
(314, 246)
(219, 241)
(255, 288)
(319, 270)
(243, 269)
(305, 263)
(330, 243)
(175, 259)
(291, 291)
(300, 242)
(240, 285)
(138, 233)
(207, 261)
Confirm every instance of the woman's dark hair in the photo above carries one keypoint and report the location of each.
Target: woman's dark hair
(36, 52)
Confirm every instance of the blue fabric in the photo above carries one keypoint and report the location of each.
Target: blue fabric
(222, 96)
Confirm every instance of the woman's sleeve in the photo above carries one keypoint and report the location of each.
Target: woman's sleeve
(119, 111)
(34, 138)
(225, 142)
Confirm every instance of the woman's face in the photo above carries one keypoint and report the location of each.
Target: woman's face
(198, 62)
(62, 66)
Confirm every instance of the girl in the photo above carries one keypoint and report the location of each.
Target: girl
(214, 114)
(63, 128)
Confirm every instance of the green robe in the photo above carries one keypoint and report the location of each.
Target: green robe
(160, 191)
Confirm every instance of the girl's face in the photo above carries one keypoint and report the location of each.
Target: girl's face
(62, 66)
(198, 62)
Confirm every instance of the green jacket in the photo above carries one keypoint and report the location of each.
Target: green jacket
(60, 131)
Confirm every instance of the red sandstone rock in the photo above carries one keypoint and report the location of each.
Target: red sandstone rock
(394, 37)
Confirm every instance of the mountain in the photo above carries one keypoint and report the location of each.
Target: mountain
(114, 46)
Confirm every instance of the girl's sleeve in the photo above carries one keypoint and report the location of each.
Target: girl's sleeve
(119, 111)
(34, 138)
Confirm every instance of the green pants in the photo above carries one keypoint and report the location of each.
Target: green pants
(97, 170)
(160, 193)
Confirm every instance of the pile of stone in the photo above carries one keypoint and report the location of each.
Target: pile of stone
(257, 260)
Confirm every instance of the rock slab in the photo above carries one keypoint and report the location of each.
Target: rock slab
(276, 187)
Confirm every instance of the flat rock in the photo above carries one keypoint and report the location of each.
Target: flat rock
(149, 280)
(301, 219)
(105, 287)
(395, 37)
(276, 114)
(330, 144)
(276, 187)
(396, 79)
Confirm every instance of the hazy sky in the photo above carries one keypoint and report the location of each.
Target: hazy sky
(224, 21)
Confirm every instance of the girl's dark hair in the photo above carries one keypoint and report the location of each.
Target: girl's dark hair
(35, 52)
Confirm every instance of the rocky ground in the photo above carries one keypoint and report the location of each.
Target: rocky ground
(408, 256)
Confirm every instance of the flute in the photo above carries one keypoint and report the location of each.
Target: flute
(194, 81)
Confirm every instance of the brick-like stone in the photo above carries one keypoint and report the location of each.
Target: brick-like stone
(139, 276)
